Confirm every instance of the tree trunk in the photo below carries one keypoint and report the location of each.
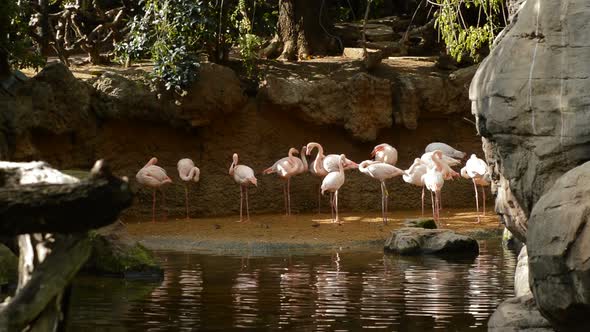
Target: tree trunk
(44, 27)
(301, 29)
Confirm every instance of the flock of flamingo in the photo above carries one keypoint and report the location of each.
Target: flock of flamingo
(430, 171)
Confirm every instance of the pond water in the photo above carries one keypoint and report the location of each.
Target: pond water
(330, 291)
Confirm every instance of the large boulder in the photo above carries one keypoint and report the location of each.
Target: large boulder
(530, 99)
(53, 100)
(559, 251)
(518, 314)
(416, 241)
(361, 103)
(216, 92)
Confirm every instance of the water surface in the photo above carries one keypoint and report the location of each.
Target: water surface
(330, 291)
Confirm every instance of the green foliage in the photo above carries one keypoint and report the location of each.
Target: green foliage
(247, 42)
(462, 36)
(14, 37)
(172, 33)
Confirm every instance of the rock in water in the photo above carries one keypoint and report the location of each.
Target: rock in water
(518, 314)
(115, 254)
(427, 223)
(558, 244)
(416, 241)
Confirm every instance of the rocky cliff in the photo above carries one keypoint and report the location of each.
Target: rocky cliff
(118, 116)
(530, 99)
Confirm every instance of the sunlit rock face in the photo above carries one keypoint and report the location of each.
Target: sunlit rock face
(559, 251)
(532, 106)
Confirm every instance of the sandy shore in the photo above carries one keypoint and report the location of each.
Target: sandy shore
(270, 232)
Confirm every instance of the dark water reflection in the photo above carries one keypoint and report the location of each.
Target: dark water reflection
(341, 291)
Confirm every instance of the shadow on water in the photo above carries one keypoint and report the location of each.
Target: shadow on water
(319, 292)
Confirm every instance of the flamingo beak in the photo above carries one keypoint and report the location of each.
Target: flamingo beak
(352, 165)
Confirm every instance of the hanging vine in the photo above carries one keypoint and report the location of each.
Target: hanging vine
(468, 35)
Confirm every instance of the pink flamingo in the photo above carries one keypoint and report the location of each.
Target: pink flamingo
(187, 172)
(332, 183)
(446, 149)
(244, 176)
(414, 176)
(381, 171)
(477, 170)
(155, 177)
(286, 168)
(385, 153)
(434, 181)
(317, 167)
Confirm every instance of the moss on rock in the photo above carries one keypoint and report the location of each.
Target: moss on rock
(8, 266)
(114, 254)
(427, 223)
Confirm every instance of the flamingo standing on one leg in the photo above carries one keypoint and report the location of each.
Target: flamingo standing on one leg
(155, 177)
(332, 183)
(244, 176)
(446, 149)
(381, 171)
(446, 163)
(414, 176)
(477, 170)
(317, 167)
(286, 168)
(187, 171)
(434, 181)
(385, 153)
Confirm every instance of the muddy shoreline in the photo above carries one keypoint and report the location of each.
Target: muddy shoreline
(278, 234)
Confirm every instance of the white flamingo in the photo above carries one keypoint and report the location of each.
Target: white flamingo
(434, 181)
(414, 176)
(153, 176)
(446, 149)
(286, 168)
(477, 170)
(317, 167)
(187, 171)
(385, 153)
(332, 183)
(381, 171)
(244, 176)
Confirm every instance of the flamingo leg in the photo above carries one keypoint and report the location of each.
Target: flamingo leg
(241, 199)
(186, 199)
(422, 201)
(332, 205)
(336, 206)
(247, 208)
(386, 202)
(483, 191)
(154, 205)
(320, 199)
(164, 205)
(285, 197)
(437, 202)
(476, 200)
(289, 196)
(432, 203)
